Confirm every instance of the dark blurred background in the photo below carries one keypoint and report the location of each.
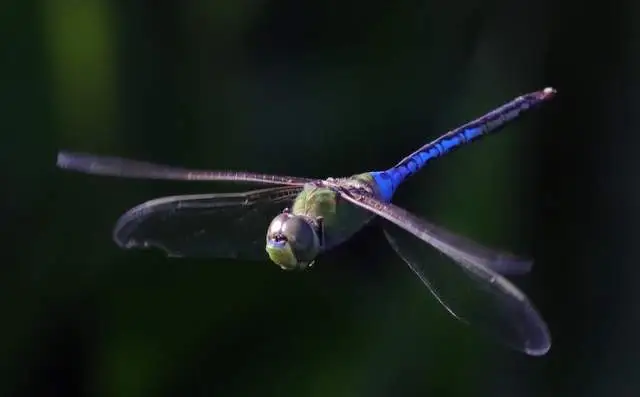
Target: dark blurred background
(316, 88)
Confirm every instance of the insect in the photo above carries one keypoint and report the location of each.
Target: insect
(304, 217)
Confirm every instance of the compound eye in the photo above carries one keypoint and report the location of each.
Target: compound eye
(302, 238)
(276, 228)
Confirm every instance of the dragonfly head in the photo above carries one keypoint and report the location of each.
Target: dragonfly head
(292, 241)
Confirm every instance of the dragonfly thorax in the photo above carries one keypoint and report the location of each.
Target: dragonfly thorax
(292, 241)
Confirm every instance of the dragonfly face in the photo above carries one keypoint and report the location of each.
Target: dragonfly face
(292, 241)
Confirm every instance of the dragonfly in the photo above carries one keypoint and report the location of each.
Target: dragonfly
(293, 220)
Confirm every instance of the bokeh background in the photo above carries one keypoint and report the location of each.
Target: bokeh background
(316, 88)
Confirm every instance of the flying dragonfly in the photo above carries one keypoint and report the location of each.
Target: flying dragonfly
(305, 217)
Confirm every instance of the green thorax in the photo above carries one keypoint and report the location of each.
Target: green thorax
(341, 218)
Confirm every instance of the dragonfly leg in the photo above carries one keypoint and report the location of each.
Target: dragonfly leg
(320, 222)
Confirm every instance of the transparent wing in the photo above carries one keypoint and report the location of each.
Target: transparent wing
(472, 292)
(125, 168)
(224, 225)
(458, 248)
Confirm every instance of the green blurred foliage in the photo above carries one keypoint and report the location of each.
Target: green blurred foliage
(315, 89)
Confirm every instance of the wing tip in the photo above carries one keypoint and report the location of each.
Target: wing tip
(538, 342)
(540, 348)
(126, 224)
(124, 231)
(512, 265)
(74, 161)
(121, 238)
(538, 352)
(63, 159)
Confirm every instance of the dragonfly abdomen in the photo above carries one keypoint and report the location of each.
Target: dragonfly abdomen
(389, 180)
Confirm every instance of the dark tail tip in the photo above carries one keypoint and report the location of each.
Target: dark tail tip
(548, 93)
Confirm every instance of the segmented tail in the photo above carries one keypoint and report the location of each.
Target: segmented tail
(389, 180)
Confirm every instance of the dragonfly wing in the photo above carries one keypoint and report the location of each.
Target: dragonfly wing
(472, 292)
(457, 247)
(125, 168)
(223, 225)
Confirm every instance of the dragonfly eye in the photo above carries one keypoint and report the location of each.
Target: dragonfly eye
(302, 237)
(275, 232)
(292, 241)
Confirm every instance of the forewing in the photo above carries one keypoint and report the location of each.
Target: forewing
(125, 168)
(459, 248)
(472, 292)
(223, 225)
